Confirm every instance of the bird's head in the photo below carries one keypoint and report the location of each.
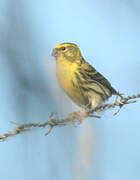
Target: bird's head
(69, 51)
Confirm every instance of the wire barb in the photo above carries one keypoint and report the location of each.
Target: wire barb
(74, 117)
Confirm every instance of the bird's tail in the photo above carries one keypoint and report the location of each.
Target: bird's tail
(119, 94)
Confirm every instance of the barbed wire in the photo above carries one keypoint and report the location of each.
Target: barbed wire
(74, 117)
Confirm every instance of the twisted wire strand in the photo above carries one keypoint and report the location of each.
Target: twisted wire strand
(74, 117)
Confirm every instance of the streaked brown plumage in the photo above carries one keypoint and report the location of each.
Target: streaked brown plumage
(80, 81)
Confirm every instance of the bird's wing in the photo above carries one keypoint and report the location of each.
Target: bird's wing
(93, 75)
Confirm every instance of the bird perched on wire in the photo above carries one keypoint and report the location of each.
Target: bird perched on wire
(79, 80)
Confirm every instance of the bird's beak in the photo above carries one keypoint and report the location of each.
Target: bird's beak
(54, 53)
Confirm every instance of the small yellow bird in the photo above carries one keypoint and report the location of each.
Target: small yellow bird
(79, 80)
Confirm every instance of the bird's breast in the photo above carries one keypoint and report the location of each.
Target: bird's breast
(66, 75)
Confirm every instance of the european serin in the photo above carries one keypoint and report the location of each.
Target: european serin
(79, 80)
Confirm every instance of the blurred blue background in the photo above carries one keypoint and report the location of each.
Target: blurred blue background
(108, 34)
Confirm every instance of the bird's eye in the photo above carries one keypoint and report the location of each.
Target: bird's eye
(63, 48)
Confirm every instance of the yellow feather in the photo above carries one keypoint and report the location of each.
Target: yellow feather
(66, 75)
(80, 81)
